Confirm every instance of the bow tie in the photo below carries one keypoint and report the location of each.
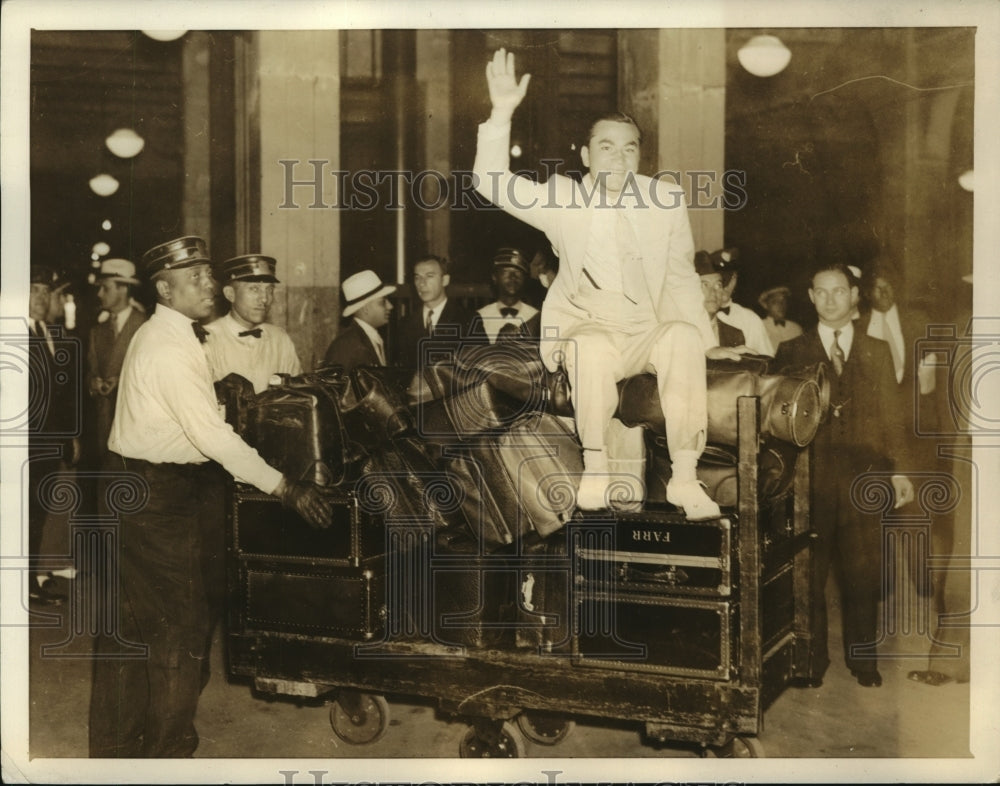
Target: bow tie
(779, 323)
(255, 332)
(725, 310)
(199, 331)
(508, 311)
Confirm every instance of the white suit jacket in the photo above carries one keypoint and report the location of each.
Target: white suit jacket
(562, 208)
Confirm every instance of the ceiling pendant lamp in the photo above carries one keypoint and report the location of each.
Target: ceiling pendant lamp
(125, 143)
(164, 35)
(103, 185)
(764, 55)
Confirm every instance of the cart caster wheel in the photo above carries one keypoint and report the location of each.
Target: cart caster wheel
(738, 748)
(491, 741)
(544, 728)
(359, 718)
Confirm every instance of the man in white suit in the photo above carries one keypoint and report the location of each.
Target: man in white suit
(626, 299)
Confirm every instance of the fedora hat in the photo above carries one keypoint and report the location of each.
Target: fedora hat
(249, 267)
(174, 254)
(362, 288)
(118, 270)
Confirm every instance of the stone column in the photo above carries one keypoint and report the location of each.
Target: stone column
(298, 113)
(674, 83)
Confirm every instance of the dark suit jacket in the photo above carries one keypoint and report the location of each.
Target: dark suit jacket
(914, 326)
(867, 432)
(410, 331)
(105, 355)
(351, 348)
(730, 336)
(54, 397)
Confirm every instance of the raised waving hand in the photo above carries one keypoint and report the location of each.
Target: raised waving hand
(506, 93)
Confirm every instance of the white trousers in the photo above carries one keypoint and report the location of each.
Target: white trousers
(598, 357)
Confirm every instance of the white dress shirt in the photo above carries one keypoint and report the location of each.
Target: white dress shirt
(493, 321)
(885, 325)
(257, 359)
(167, 410)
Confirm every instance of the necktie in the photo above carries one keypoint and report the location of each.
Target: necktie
(633, 281)
(429, 322)
(508, 311)
(199, 331)
(779, 323)
(837, 354)
(380, 352)
(725, 310)
(255, 332)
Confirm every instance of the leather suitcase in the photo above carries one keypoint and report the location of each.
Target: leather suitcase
(263, 529)
(373, 407)
(473, 596)
(400, 482)
(478, 409)
(654, 552)
(297, 428)
(521, 481)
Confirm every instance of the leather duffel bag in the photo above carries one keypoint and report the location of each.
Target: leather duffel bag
(791, 405)
(296, 427)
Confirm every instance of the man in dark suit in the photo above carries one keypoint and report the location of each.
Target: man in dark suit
(53, 420)
(107, 343)
(438, 316)
(862, 434)
(359, 342)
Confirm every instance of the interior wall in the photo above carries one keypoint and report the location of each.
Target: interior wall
(852, 153)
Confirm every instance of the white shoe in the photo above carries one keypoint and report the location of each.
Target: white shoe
(691, 496)
(593, 491)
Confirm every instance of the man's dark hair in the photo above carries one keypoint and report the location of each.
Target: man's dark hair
(837, 267)
(613, 116)
(442, 262)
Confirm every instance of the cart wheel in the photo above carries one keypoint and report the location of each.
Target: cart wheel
(359, 718)
(738, 748)
(544, 728)
(492, 741)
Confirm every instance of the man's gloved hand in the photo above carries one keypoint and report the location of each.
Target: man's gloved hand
(305, 499)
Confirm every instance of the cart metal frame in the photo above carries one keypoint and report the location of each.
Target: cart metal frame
(544, 691)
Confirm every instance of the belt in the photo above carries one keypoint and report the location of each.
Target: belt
(141, 465)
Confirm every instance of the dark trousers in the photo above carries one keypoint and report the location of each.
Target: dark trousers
(851, 543)
(145, 706)
(44, 459)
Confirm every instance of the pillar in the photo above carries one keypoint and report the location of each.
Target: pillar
(674, 83)
(294, 95)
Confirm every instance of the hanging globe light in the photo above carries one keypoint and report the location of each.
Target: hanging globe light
(764, 55)
(125, 143)
(164, 35)
(103, 185)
